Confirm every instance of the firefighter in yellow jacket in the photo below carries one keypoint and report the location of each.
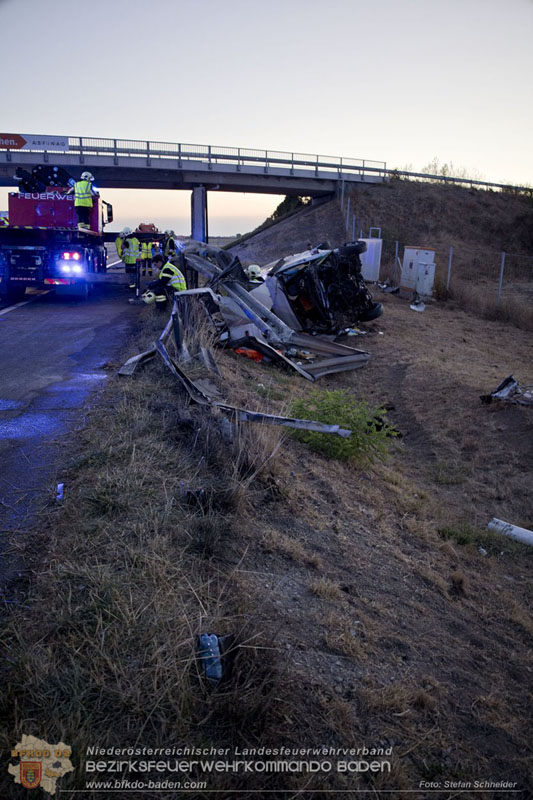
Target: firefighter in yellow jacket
(146, 258)
(131, 253)
(83, 200)
(170, 279)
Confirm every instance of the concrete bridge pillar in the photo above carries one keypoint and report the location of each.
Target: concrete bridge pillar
(199, 229)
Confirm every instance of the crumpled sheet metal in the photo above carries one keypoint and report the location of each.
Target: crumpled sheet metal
(197, 393)
(510, 391)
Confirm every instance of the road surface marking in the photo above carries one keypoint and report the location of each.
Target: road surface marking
(113, 264)
(23, 303)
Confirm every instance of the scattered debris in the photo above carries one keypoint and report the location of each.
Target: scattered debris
(385, 287)
(482, 551)
(209, 652)
(418, 306)
(216, 655)
(508, 529)
(60, 491)
(510, 391)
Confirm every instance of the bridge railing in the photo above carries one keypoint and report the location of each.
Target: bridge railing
(339, 168)
(218, 154)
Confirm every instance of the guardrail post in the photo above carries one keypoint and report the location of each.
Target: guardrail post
(238, 159)
(500, 282)
(115, 154)
(209, 165)
(179, 156)
(292, 163)
(82, 160)
(148, 162)
(316, 167)
(448, 277)
(266, 161)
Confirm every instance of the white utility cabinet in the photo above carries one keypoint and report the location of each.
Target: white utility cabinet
(371, 260)
(418, 271)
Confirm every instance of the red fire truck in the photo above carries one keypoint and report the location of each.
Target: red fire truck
(41, 245)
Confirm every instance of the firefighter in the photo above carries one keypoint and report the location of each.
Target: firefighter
(170, 245)
(170, 279)
(119, 242)
(146, 258)
(130, 255)
(83, 200)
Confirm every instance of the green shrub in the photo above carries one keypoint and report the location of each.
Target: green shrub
(371, 432)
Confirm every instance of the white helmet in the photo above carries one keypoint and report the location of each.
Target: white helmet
(148, 297)
(126, 231)
(253, 271)
(86, 176)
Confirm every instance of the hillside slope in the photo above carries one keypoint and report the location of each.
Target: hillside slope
(292, 235)
(425, 214)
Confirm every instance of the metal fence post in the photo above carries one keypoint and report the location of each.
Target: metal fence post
(450, 259)
(500, 282)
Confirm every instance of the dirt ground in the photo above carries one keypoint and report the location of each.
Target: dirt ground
(408, 622)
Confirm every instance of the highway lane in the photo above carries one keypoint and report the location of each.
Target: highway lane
(52, 356)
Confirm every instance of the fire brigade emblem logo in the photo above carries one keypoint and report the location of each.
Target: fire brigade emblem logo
(30, 774)
(38, 763)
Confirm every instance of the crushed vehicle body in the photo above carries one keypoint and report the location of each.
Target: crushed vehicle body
(319, 290)
(242, 320)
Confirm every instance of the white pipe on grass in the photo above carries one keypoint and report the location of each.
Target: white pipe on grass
(507, 529)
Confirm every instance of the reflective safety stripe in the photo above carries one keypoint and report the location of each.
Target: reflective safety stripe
(130, 252)
(178, 283)
(175, 276)
(82, 194)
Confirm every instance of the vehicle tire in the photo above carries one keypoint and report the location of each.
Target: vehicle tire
(375, 311)
(352, 249)
(13, 294)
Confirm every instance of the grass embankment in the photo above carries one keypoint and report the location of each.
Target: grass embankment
(363, 613)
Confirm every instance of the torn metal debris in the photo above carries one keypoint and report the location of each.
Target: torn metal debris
(288, 319)
(510, 391)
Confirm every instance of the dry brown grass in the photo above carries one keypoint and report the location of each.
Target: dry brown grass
(483, 301)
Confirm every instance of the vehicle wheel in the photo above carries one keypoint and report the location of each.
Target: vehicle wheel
(13, 294)
(375, 311)
(352, 249)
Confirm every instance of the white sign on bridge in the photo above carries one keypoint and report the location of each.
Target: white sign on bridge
(30, 141)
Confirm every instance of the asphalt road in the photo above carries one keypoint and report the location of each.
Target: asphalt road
(52, 354)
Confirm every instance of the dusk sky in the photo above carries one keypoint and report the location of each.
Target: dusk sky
(401, 81)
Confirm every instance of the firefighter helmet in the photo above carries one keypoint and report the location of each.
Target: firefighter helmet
(86, 176)
(148, 297)
(125, 231)
(253, 271)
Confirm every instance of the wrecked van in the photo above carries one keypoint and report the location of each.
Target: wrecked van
(319, 290)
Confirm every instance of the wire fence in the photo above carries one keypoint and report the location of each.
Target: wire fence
(496, 284)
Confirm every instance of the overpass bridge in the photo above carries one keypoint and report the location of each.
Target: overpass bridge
(130, 164)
